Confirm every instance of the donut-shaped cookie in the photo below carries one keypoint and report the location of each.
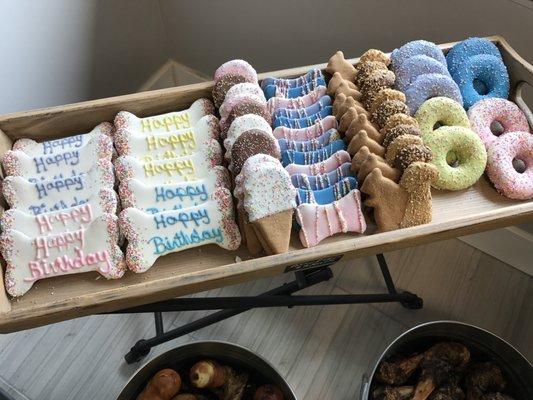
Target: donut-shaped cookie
(442, 111)
(236, 67)
(387, 109)
(431, 85)
(485, 112)
(485, 71)
(417, 65)
(463, 149)
(500, 170)
(414, 48)
(462, 51)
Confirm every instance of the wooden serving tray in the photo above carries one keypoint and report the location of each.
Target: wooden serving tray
(477, 209)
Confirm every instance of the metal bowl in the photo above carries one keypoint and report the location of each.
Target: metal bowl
(483, 345)
(184, 356)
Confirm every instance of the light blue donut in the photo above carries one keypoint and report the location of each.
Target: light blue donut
(415, 48)
(462, 51)
(321, 181)
(312, 144)
(428, 86)
(324, 101)
(417, 65)
(329, 194)
(297, 123)
(486, 69)
(311, 157)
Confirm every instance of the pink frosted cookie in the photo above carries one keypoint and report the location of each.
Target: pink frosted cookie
(242, 124)
(167, 144)
(90, 248)
(298, 102)
(331, 164)
(33, 148)
(312, 132)
(37, 197)
(321, 221)
(485, 112)
(156, 198)
(171, 170)
(171, 121)
(236, 67)
(153, 235)
(505, 177)
(68, 162)
(238, 91)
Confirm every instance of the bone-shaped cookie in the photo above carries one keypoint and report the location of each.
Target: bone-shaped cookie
(304, 111)
(321, 181)
(167, 144)
(92, 248)
(320, 127)
(75, 162)
(329, 194)
(171, 121)
(298, 102)
(318, 222)
(306, 122)
(172, 170)
(68, 219)
(157, 198)
(332, 163)
(311, 157)
(274, 91)
(153, 235)
(311, 144)
(33, 148)
(311, 75)
(49, 195)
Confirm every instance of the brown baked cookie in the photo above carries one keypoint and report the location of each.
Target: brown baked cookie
(249, 106)
(387, 109)
(375, 55)
(336, 81)
(346, 119)
(362, 139)
(378, 80)
(365, 69)
(399, 143)
(362, 123)
(337, 63)
(364, 163)
(412, 153)
(342, 104)
(250, 143)
(399, 130)
(344, 88)
(399, 119)
(223, 85)
(386, 94)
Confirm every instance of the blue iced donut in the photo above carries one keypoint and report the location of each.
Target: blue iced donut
(490, 74)
(462, 51)
(428, 86)
(417, 65)
(415, 48)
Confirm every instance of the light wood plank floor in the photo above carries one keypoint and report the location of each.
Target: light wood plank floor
(323, 351)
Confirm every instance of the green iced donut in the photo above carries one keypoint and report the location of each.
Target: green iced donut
(443, 111)
(458, 154)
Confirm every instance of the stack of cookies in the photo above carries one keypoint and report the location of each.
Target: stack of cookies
(262, 187)
(389, 157)
(173, 187)
(62, 218)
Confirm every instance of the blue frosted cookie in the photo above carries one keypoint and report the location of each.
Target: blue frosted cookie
(311, 157)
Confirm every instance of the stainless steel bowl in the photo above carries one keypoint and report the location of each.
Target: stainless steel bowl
(484, 345)
(186, 355)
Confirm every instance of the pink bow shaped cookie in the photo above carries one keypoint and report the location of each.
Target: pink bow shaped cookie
(312, 132)
(328, 165)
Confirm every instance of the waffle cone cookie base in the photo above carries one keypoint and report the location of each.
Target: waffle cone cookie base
(249, 237)
(274, 231)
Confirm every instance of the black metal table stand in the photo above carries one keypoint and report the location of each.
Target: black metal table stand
(306, 275)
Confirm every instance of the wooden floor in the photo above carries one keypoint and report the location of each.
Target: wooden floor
(323, 351)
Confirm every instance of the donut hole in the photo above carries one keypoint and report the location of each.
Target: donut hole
(452, 159)
(519, 165)
(437, 125)
(496, 128)
(480, 87)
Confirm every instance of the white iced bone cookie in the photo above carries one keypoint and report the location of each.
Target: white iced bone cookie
(240, 89)
(157, 198)
(37, 197)
(171, 121)
(242, 124)
(268, 190)
(153, 235)
(33, 148)
(167, 144)
(51, 223)
(47, 166)
(172, 170)
(92, 248)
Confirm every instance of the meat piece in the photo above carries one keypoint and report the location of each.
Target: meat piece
(449, 392)
(455, 354)
(163, 386)
(268, 392)
(392, 393)
(435, 372)
(495, 396)
(396, 373)
(483, 378)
